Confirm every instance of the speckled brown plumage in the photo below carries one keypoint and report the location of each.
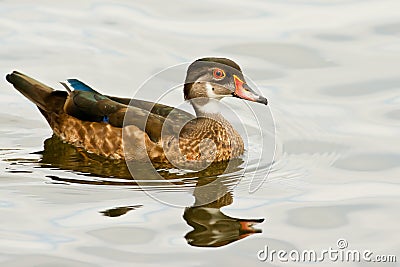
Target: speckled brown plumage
(206, 139)
(95, 137)
(203, 139)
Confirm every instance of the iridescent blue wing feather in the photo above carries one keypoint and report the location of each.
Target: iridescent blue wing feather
(77, 85)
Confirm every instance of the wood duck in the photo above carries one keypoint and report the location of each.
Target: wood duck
(132, 129)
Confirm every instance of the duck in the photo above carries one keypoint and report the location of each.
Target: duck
(139, 130)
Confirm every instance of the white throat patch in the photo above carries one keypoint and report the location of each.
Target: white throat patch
(211, 107)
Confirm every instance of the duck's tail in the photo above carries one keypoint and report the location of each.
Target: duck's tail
(35, 91)
(46, 98)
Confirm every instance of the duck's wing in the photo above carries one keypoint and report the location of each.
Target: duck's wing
(90, 105)
(159, 109)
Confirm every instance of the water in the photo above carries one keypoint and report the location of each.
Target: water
(330, 72)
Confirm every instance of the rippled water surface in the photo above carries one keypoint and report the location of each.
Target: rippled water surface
(330, 70)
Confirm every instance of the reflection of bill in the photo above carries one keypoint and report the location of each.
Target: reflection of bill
(212, 228)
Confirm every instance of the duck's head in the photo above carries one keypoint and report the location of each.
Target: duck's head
(210, 79)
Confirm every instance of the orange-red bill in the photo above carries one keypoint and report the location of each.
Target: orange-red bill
(242, 90)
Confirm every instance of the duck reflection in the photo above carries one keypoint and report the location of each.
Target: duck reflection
(212, 228)
(57, 154)
(212, 190)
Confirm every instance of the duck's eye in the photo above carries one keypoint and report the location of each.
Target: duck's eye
(218, 74)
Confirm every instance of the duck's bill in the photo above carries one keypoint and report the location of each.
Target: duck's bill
(242, 90)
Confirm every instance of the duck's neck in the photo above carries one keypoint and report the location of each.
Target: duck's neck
(210, 109)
